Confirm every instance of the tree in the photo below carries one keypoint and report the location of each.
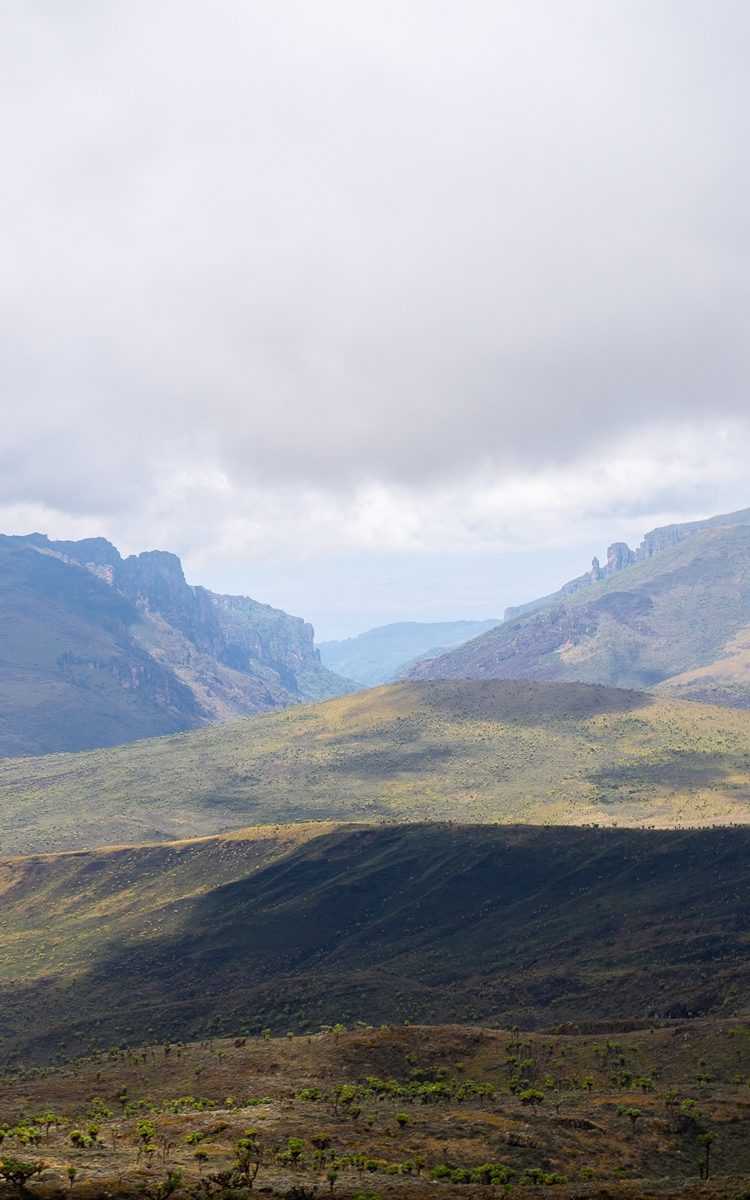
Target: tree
(18, 1173)
(633, 1114)
(707, 1140)
(249, 1157)
(71, 1173)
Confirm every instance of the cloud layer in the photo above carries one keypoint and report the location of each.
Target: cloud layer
(284, 274)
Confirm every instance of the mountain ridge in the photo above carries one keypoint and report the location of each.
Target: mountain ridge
(620, 556)
(677, 620)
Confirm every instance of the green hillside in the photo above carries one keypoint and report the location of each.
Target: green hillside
(478, 750)
(678, 621)
(289, 929)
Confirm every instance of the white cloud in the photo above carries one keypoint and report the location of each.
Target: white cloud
(286, 278)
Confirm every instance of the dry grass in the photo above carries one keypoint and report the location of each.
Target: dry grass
(574, 1132)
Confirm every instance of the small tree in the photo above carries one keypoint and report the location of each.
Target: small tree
(633, 1114)
(707, 1140)
(18, 1173)
(71, 1173)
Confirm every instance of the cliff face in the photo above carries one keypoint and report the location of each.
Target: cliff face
(677, 620)
(96, 649)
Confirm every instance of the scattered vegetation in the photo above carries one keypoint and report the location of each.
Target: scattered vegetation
(387, 1112)
(476, 750)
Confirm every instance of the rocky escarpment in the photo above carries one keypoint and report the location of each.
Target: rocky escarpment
(677, 620)
(620, 556)
(97, 649)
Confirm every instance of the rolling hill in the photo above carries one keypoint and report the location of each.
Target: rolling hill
(475, 751)
(96, 650)
(287, 929)
(676, 621)
(380, 655)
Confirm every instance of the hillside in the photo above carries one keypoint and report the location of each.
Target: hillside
(380, 655)
(476, 750)
(96, 650)
(286, 929)
(677, 621)
(415, 1111)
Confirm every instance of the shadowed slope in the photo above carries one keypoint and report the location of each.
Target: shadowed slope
(433, 922)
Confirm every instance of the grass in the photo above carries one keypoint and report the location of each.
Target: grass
(579, 1132)
(475, 751)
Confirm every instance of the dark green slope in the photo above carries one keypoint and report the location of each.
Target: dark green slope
(679, 620)
(427, 922)
(70, 674)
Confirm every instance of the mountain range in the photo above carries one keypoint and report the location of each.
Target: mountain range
(672, 617)
(381, 655)
(97, 649)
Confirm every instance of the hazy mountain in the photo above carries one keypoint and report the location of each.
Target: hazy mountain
(96, 650)
(287, 928)
(474, 750)
(383, 654)
(675, 619)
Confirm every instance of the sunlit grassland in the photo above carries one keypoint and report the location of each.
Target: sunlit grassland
(474, 751)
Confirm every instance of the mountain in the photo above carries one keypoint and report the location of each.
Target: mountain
(676, 621)
(96, 650)
(383, 654)
(620, 556)
(475, 750)
(284, 929)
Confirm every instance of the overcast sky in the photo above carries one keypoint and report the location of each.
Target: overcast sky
(371, 309)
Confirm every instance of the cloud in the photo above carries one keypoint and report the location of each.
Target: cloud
(286, 275)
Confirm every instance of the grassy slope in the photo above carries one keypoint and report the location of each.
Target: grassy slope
(471, 751)
(679, 611)
(380, 923)
(577, 1126)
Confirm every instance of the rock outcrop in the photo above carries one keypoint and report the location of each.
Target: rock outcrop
(676, 620)
(620, 556)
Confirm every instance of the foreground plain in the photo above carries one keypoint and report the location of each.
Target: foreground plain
(620, 1111)
(475, 751)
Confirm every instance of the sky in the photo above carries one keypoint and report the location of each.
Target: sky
(373, 310)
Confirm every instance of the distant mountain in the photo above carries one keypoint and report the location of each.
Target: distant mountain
(96, 650)
(383, 654)
(673, 616)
